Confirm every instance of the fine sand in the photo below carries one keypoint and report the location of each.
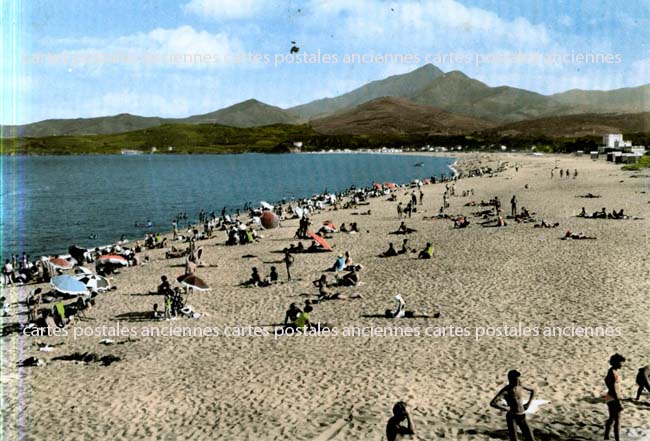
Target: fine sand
(343, 388)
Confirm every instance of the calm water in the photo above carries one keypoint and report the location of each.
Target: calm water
(49, 203)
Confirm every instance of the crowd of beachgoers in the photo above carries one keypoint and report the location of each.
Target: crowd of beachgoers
(99, 268)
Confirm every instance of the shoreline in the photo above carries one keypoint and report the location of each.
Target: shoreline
(485, 278)
(167, 233)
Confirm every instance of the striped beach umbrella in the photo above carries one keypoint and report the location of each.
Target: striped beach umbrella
(114, 259)
(59, 263)
(95, 283)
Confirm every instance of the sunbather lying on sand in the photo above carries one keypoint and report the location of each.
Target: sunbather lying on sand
(403, 229)
(498, 222)
(544, 224)
(461, 222)
(577, 236)
(326, 294)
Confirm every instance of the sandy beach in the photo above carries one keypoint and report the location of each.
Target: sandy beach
(255, 385)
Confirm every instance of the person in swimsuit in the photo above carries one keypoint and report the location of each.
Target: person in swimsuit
(613, 396)
(515, 396)
(394, 427)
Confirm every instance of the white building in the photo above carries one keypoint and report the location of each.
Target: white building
(615, 141)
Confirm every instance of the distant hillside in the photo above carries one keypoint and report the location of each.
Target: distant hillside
(184, 138)
(626, 100)
(590, 124)
(452, 92)
(104, 125)
(404, 85)
(397, 115)
(250, 113)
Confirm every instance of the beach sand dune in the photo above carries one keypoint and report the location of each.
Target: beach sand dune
(341, 388)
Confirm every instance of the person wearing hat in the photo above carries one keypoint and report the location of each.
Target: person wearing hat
(613, 396)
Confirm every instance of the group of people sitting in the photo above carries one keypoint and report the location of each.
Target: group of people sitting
(602, 214)
(258, 279)
(426, 253)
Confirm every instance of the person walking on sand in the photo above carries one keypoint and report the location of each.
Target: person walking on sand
(514, 395)
(552, 173)
(643, 380)
(561, 173)
(613, 396)
(575, 173)
(394, 428)
(399, 210)
(288, 262)
(513, 205)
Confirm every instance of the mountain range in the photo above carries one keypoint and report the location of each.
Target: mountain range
(423, 100)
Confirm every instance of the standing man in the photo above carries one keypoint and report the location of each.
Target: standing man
(514, 395)
(513, 205)
(288, 262)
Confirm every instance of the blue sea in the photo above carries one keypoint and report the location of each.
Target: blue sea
(52, 202)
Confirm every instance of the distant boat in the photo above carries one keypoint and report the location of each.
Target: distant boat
(131, 152)
(418, 164)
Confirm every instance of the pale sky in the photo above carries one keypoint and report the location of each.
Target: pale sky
(177, 58)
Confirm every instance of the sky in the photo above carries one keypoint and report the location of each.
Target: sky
(178, 58)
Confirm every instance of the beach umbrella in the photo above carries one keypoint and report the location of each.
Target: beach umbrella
(114, 259)
(377, 186)
(390, 185)
(320, 240)
(193, 281)
(60, 263)
(95, 283)
(269, 220)
(82, 270)
(265, 205)
(68, 285)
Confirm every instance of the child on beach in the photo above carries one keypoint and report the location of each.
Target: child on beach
(514, 395)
